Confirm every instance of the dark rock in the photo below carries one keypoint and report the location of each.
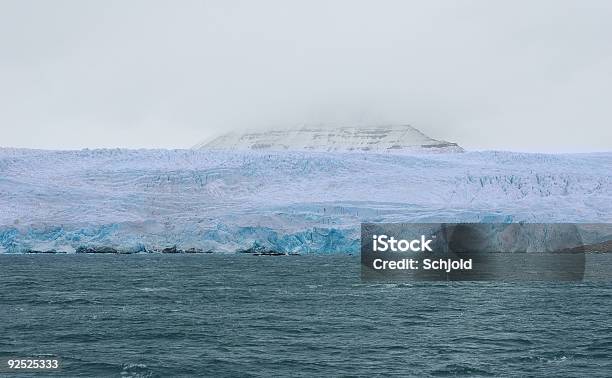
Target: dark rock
(270, 253)
(604, 247)
(197, 250)
(259, 250)
(171, 250)
(96, 250)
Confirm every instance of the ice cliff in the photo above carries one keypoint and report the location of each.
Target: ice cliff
(294, 201)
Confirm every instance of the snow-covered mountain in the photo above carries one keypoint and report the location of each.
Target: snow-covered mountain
(287, 201)
(390, 138)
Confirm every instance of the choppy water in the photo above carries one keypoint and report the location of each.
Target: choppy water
(162, 315)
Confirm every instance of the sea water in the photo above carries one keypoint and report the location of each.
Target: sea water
(235, 315)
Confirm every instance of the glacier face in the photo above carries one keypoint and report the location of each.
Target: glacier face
(382, 138)
(298, 201)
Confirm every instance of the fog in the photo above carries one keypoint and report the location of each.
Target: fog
(509, 75)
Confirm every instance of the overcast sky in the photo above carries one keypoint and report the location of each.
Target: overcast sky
(513, 75)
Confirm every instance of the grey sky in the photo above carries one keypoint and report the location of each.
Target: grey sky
(515, 75)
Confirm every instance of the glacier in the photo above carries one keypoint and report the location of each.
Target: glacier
(287, 201)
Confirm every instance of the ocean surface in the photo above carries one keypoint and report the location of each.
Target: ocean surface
(216, 315)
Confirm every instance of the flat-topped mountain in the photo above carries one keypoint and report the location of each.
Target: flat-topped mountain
(391, 138)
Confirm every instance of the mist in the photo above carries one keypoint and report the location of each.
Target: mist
(506, 75)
